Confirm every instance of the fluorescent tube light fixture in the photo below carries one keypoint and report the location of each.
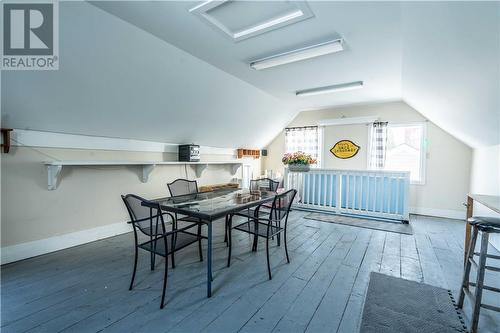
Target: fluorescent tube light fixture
(330, 89)
(304, 53)
(268, 24)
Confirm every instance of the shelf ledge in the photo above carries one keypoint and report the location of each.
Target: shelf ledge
(54, 168)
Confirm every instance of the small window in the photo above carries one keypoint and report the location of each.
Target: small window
(405, 150)
(304, 139)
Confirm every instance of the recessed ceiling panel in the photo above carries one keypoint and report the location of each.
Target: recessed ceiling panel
(244, 19)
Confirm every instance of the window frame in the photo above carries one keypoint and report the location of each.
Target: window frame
(320, 138)
(423, 150)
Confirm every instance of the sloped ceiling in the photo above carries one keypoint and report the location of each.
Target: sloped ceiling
(152, 70)
(119, 81)
(451, 67)
(372, 40)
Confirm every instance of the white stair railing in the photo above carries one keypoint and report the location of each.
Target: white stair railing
(382, 194)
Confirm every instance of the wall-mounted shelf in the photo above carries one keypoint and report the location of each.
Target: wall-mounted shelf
(54, 167)
(255, 153)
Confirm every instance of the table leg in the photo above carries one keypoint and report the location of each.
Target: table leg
(470, 208)
(209, 260)
(256, 229)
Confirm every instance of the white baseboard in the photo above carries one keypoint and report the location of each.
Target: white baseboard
(43, 246)
(447, 213)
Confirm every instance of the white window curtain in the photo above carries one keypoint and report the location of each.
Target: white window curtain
(304, 139)
(378, 145)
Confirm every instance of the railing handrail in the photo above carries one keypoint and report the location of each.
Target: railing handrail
(376, 193)
(356, 171)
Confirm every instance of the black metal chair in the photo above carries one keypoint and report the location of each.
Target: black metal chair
(147, 220)
(266, 224)
(181, 187)
(264, 184)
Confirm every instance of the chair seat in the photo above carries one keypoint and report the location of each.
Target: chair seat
(186, 218)
(249, 227)
(155, 229)
(250, 213)
(486, 223)
(183, 239)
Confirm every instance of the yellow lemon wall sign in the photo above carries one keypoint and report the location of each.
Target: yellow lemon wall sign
(345, 149)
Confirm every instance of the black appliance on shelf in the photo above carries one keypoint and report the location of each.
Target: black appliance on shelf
(189, 153)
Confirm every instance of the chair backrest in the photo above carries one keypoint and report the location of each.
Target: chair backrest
(265, 184)
(281, 205)
(182, 187)
(147, 219)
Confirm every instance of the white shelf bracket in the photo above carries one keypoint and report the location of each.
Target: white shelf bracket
(53, 172)
(146, 171)
(199, 169)
(234, 168)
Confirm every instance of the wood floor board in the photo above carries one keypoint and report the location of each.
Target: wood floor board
(85, 288)
(391, 257)
(298, 316)
(371, 263)
(257, 290)
(266, 316)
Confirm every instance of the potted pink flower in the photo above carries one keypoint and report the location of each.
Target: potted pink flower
(298, 161)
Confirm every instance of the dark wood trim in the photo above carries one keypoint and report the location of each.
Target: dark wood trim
(5, 139)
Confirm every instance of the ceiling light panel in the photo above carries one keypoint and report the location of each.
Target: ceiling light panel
(244, 19)
(330, 89)
(304, 53)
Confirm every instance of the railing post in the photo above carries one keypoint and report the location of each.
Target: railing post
(338, 189)
(406, 215)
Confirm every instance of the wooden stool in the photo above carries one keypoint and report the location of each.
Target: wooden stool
(485, 225)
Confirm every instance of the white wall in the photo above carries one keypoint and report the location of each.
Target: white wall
(86, 205)
(447, 164)
(485, 179)
(356, 133)
(119, 81)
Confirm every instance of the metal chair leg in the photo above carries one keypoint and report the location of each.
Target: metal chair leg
(135, 269)
(278, 224)
(229, 240)
(256, 235)
(468, 264)
(268, 263)
(172, 255)
(153, 256)
(286, 248)
(479, 282)
(200, 251)
(225, 230)
(162, 304)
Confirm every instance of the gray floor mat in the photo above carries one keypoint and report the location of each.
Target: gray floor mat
(397, 305)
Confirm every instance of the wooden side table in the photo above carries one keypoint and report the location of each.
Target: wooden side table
(489, 201)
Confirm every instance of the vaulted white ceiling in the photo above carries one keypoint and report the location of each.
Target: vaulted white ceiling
(153, 70)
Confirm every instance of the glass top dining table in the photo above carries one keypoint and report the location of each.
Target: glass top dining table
(211, 206)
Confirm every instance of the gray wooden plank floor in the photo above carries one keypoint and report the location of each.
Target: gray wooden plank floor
(85, 288)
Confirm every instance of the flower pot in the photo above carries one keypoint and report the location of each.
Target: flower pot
(298, 167)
